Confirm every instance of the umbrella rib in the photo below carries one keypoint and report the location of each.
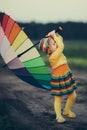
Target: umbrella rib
(21, 43)
(28, 49)
(11, 28)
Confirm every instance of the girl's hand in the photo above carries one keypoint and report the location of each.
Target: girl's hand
(51, 34)
(54, 33)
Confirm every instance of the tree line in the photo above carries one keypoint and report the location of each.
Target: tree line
(71, 30)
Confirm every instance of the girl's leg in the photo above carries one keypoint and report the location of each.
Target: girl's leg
(69, 104)
(57, 108)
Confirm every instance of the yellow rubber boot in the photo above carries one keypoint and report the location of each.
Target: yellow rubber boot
(70, 114)
(60, 119)
(57, 107)
(69, 104)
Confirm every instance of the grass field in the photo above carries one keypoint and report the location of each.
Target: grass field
(76, 52)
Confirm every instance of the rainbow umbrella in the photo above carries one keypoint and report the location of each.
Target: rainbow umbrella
(30, 66)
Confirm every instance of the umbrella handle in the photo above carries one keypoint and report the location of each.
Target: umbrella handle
(59, 29)
(56, 31)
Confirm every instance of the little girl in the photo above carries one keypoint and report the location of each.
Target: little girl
(62, 80)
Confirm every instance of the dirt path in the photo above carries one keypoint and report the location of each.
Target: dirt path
(24, 107)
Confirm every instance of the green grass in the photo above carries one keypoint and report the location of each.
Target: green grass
(76, 49)
(76, 53)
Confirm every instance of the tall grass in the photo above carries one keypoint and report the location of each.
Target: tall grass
(76, 53)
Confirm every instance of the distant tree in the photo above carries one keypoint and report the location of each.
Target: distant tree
(71, 30)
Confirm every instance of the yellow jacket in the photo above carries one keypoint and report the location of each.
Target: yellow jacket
(57, 58)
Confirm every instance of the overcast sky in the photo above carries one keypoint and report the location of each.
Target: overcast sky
(45, 10)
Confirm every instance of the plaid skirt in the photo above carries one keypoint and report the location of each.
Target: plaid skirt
(62, 81)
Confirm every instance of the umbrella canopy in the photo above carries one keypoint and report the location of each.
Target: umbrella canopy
(30, 66)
